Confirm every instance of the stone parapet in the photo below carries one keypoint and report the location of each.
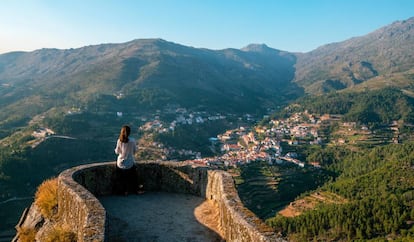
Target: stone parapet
(78, 206)
(237, 222)
(79, 187)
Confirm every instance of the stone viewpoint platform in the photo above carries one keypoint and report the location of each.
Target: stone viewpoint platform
(181, 203)
(160, 216)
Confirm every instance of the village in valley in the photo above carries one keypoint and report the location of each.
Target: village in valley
(245, 144)
(272, 141)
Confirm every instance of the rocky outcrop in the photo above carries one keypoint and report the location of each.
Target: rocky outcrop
(79, 208)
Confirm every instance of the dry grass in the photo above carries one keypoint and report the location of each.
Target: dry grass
(299, 206)
(46, 198)
(61, 234)
(26, 234)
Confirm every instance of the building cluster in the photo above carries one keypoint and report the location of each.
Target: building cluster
(40, 135)
(182, 117)
(244, 145)
(263, 142)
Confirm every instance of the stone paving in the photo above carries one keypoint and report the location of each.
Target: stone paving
(159, 217)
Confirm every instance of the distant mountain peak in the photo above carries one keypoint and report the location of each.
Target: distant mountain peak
(257, 48)
(149, 40)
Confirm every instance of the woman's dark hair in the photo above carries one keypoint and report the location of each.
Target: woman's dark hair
(125, 131)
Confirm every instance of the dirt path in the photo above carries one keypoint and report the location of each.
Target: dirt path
(160, 216)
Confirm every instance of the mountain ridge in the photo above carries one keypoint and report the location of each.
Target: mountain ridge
(245, 80)
(379, 54)
(381, 58)
(366, 61)
(80, 91)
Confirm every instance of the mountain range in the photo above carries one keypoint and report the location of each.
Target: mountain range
(143, 76)
(150, 73)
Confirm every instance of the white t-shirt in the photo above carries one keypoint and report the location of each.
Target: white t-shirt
(125, 152)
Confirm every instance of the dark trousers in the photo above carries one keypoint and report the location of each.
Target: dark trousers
(127, 180)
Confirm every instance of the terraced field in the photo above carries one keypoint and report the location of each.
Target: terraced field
(309, 202)
(265, 189)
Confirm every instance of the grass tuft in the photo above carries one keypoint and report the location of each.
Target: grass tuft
(26, 234)
(46, 198)
(61, 234)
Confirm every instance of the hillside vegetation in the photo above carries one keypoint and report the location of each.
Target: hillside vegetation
(84, 95)
(379, 187)
(379, 106)
(369, 61)
(142, 76)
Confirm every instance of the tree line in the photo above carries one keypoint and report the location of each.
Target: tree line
(368, 107)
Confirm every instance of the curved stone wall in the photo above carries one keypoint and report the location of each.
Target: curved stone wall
(237, 222)
(79, 207)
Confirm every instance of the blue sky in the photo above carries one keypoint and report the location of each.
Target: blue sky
(291, 25)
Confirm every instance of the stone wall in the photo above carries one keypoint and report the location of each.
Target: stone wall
(80, 186)
(78, 207)
(237, 222)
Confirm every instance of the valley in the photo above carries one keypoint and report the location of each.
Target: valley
(320, 144)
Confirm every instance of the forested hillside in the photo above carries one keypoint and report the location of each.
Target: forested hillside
(84, 95)
(376, 181)
(376, 107)
(379, 186)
